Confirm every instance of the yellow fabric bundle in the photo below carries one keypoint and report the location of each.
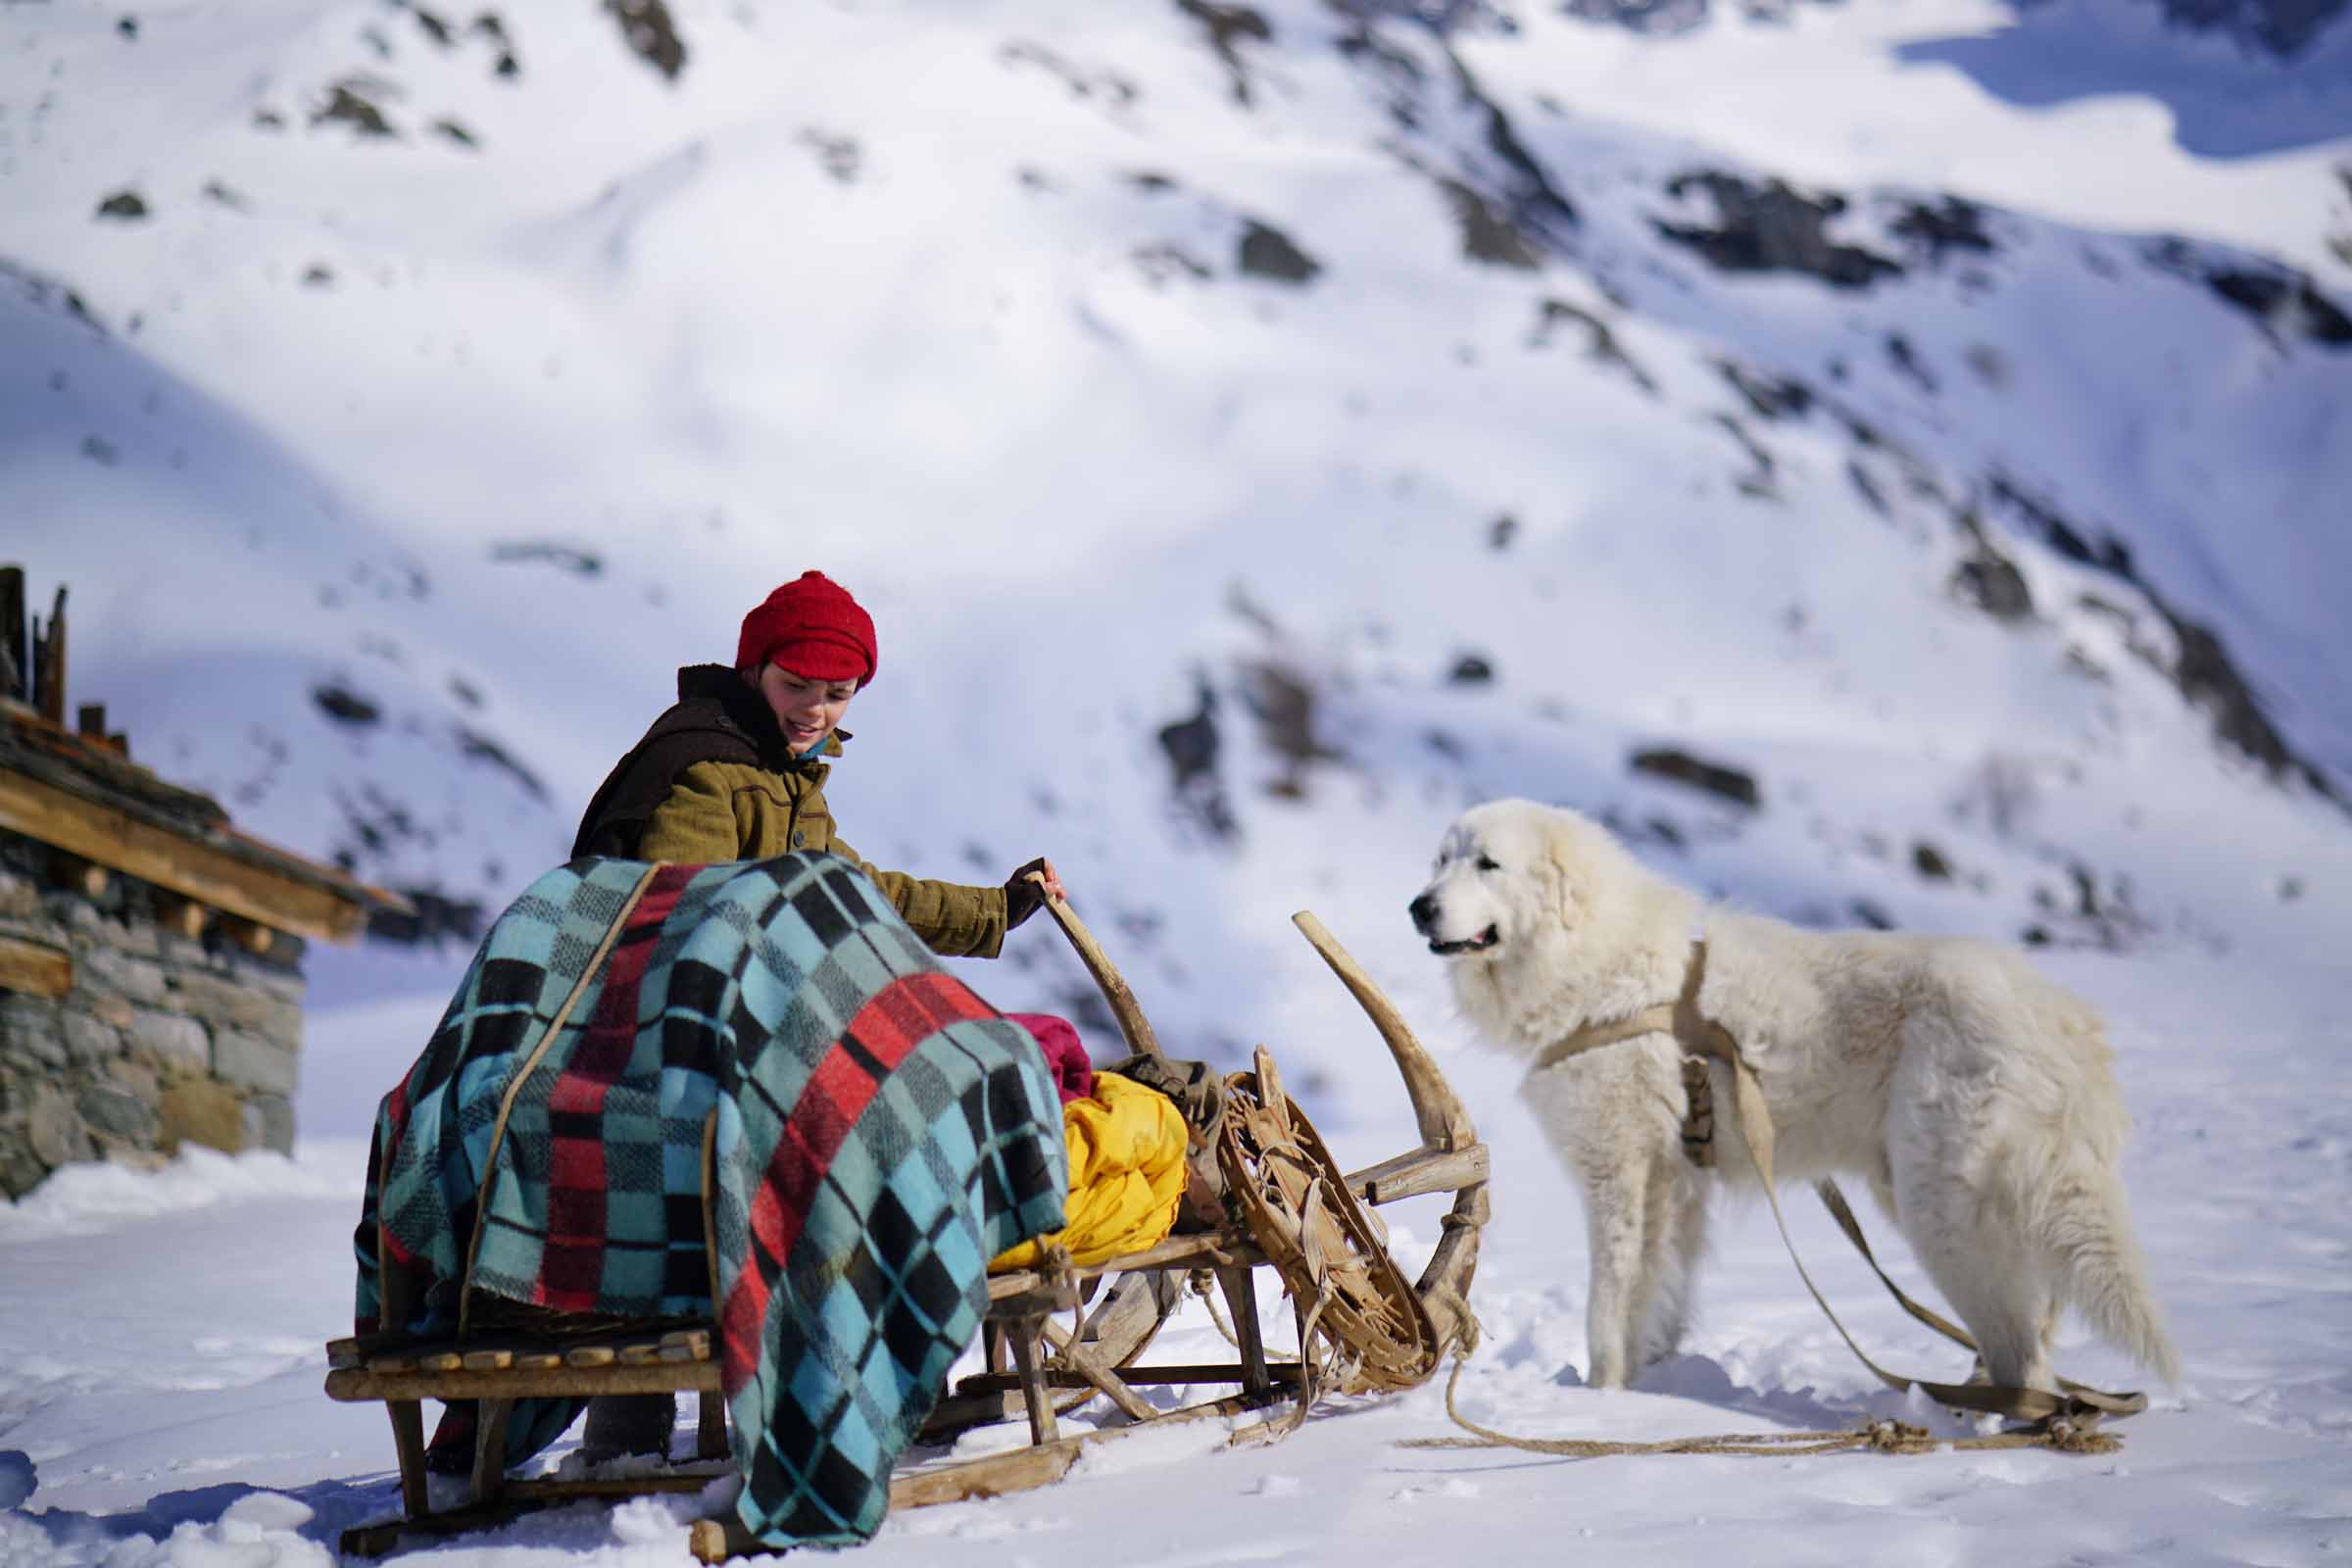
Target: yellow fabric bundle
(1127, 1174)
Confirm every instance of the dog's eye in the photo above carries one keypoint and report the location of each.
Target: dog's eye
(1486, 862)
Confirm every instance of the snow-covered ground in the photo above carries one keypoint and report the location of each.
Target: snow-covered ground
(160, 1362)
(1939, 411)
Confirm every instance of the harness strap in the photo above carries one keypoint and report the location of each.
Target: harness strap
(1833, 1201)
(1701, 1036)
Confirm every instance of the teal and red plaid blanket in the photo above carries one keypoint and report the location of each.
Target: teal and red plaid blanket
(881, 1134)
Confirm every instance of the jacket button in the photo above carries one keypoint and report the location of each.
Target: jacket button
(799, 841)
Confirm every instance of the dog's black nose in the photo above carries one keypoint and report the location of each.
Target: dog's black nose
(1424, 911)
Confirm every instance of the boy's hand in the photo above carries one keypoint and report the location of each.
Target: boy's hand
(1023, 897)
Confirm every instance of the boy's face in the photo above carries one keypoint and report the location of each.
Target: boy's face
(805, 708)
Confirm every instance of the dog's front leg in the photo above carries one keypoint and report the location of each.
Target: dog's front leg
(1615, 1219)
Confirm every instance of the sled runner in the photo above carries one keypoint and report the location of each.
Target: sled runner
(1264, 1192)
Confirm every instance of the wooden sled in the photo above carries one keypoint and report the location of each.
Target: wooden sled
(1264, 1193)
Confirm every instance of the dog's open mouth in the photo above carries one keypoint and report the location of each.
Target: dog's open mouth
(1477, 944)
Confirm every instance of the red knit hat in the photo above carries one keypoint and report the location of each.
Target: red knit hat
(812, 627)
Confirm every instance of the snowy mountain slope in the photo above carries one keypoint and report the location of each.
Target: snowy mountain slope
(2124, 113)
(1000, 329)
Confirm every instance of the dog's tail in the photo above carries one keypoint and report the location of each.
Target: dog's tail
(2084, 1223)
(2087, 1225)
(2077, 1206)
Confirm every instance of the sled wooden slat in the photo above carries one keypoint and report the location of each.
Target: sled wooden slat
(1225, 1249)
(354, 1349)
(387, 1355)
(1283, 1374)
(524, 1382)
(490, 1448)
(715, 1540)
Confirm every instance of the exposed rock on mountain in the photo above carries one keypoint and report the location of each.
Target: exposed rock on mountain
(1772, 228)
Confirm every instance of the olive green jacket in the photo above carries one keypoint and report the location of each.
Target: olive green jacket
(714, 780)
(739, 811)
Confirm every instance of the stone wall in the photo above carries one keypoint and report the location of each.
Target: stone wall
(163, 1040)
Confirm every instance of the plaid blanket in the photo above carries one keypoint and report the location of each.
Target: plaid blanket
(881, 1134)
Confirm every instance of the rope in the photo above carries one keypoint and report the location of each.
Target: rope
(1200, 1282)
(1878, 1436)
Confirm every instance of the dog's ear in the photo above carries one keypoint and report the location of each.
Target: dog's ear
(1562, 885)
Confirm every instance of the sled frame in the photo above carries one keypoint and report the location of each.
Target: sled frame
(1033, 1368)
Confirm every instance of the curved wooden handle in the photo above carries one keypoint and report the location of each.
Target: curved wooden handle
(1113, 986)
(1451, 1152)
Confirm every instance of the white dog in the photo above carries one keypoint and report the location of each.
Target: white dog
(1976, 1097)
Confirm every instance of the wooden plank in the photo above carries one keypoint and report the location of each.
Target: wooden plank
(1029, 1357)
(1043, 1296)
(35, 969)
(490, 1448)
(1421, 1171)
(174, 863)
(1209, 1250)
(1241, 1300)
(352, 1352)
(350, 1383)
(998, 1475)
(1283, 1374)
(407, 1442)
(711, 1425)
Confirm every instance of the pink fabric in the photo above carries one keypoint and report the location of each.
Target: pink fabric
(1065, 1053)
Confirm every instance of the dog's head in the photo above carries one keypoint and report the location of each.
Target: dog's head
(1508, 872)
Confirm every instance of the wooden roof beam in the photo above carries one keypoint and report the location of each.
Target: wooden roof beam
(175, 862)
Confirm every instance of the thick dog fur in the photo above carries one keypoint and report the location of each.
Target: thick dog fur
(1975, 1098)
